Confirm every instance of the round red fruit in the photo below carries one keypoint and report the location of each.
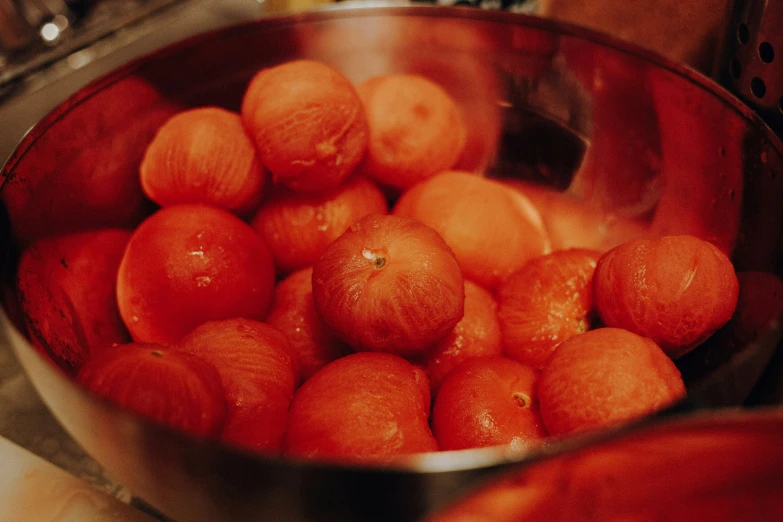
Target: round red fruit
(259, 373)
(676, 290)
(389, 284)
(307, 122)
(488, 401)
(362, 407)
(546, 302)
(298, 227)
(604, 377)
(477, 334)
(203, 156)
(492, 229)
(189, 264)
(416, 129)
(293, 313)
(172, 388)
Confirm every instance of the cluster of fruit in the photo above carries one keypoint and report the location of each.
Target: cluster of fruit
(313, 319)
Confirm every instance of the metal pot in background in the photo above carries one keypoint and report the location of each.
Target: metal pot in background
(752, 65)
(710, 467)
(630, 136)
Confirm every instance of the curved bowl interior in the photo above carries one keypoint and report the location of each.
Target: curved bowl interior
(612, 143)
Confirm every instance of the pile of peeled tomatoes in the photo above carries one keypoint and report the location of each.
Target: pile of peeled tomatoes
(321, 280)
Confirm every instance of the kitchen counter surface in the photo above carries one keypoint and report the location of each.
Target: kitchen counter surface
(33, 490)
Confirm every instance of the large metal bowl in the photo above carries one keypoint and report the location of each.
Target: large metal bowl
(627, 135)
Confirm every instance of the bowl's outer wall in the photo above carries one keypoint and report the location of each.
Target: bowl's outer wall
(626, 134)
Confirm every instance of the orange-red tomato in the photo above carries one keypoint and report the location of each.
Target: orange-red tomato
(604, 377)
(259, 373)
(416, 129)
(298, 227)
(293, 313)
(492, 229)
(307, 122)
(676, 290)
(546, 302)
(389, 284)
(203, 156)
(477, 334)
(91, 178)
(362, 407)
(189, 264)
(172, 388)
(488, 401)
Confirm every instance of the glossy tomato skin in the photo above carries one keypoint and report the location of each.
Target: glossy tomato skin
(188, 264)
(477, 334)
(307, 123)
(67, 291)
(389, 284)
(362, 407)
(203, 155)
(546, 302)
(298, 227)
(603, 377)
(488, 401)
(492, 229)
(259, 372)
(175, 389)
(676, 290)
(293, 313)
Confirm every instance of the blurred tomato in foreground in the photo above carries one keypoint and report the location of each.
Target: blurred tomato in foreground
(715, 467)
